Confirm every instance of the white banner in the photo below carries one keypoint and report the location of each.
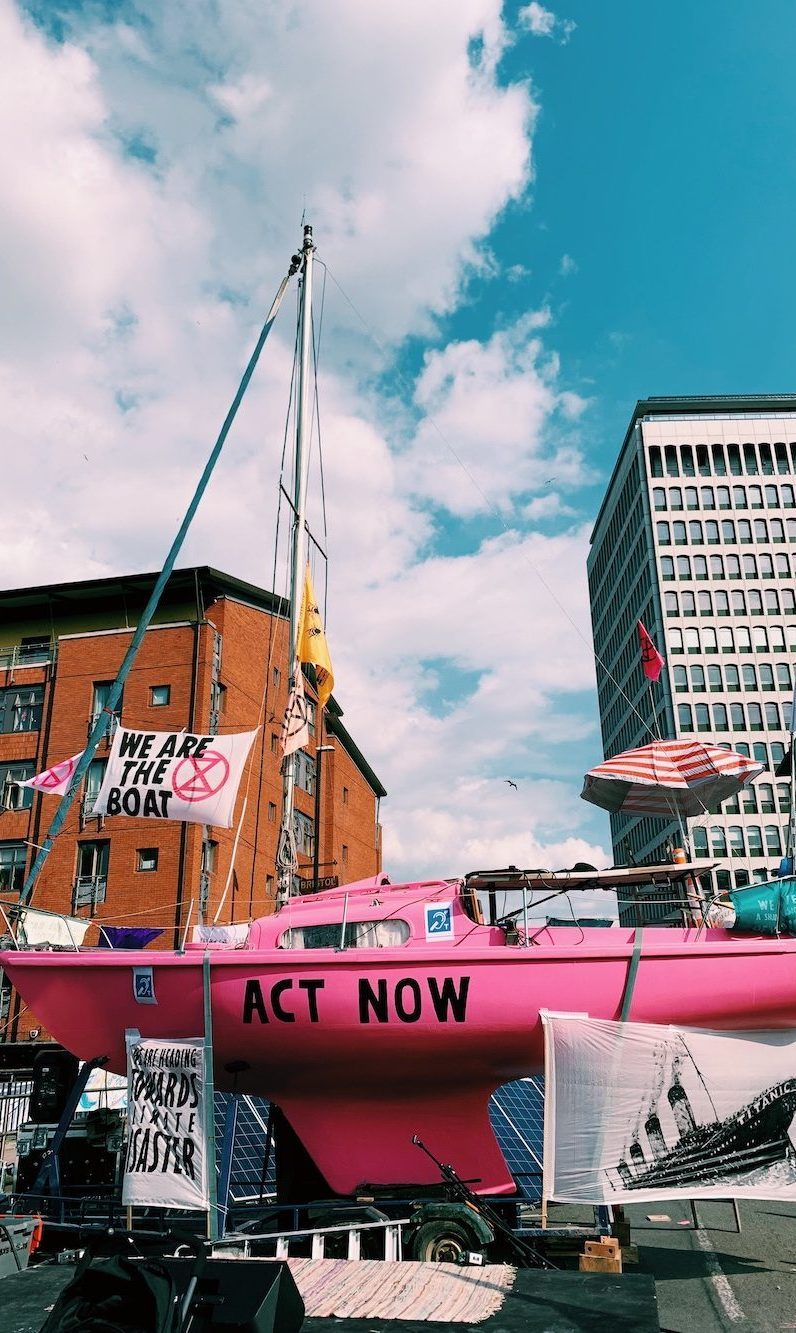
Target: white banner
(636, 1112)
(174, 775)
(166, 1161)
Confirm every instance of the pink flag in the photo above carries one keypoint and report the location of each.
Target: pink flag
(54, 781)
(651, 660)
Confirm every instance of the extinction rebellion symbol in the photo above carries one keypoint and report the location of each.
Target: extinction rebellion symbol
(197, 778)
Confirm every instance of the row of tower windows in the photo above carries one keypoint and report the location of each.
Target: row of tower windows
(731, 679)
(762, 566)
(736, 716)
(628, 506)
(743, 532)
(738, 602)
(717, 460)
(723, 497)
(738, 639)
(720, 842)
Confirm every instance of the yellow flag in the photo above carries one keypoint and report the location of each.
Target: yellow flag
(312, 645)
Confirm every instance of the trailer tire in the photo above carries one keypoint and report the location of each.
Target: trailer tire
(443, 1242)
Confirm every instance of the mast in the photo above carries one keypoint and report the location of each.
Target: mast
(287, 859)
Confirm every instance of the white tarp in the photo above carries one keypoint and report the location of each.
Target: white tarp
(166, 1159)
(637, 1112)
(174, 775)
(37, 928)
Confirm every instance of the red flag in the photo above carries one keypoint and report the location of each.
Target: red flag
(651, 660)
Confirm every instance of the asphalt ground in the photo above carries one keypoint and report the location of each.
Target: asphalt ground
(711, 1277)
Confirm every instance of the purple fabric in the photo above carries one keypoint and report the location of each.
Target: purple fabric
(127, 937)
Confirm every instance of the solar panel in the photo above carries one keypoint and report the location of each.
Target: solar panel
(517, 1114)
(248, 1148)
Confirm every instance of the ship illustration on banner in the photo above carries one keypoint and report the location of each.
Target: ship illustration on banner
(717, 1151)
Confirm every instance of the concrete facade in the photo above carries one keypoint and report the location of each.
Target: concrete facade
(216, 650)
(696, 537)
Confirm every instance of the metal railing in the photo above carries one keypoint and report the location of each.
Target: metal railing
(22, 655)
(89, 890)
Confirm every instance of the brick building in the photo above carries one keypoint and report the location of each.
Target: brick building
(215, 648)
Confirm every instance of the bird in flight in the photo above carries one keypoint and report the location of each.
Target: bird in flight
(511, 783)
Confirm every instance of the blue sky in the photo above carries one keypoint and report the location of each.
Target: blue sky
(531, 218)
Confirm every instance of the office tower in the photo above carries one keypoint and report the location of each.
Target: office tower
(696, 537)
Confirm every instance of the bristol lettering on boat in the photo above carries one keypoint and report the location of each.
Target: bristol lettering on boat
(405, 1000)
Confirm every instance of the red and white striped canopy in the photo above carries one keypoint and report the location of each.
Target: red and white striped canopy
(669, 778)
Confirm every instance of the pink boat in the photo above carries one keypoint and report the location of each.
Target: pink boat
(374, 1012)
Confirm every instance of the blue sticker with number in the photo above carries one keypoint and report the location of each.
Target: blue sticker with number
(144, 985)
(439, 921)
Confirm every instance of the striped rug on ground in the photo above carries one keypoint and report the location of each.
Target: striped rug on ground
(373, 1289)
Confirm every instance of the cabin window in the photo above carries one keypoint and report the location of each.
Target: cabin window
(358, 935)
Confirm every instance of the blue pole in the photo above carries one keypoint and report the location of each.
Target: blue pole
(101, 725)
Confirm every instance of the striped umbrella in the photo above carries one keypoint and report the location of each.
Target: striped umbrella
(669, 778)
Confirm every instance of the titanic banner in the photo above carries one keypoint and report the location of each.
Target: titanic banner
(637, 1112)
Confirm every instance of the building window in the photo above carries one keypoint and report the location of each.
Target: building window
(12, 866)
(718, 841)
(719, 717)
(685, 717)
(271, 812)
(304, 831)
(698, 679)
(680, 681)
(659, 497)
(91, 878)
(344, 854)
(345, 789)
(702, 717)
(683, 567)
(99, 700)
(94, 778)
(269, 885)
(305, 772)
(12, 796)
(311, 715)
(20, 709)
(733, 677)
(765, 792)
(274, 742)
(159, 696)
(714, 678)
(737, 847)
(276, 676)
(675, 498)
(146, 858)
(209, 855)
(667, 568)
(699, 838)
(773, 840)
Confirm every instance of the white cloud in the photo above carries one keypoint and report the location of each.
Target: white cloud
(544, 23)
(567, 266)
(150, 198)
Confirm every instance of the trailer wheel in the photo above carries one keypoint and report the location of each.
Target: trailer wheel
(443, 1242)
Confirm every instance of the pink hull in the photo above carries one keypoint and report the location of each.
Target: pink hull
(364, 1048)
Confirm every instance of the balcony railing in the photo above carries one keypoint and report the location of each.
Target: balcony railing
(89, 890)
(22, 655)
(111, 728)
